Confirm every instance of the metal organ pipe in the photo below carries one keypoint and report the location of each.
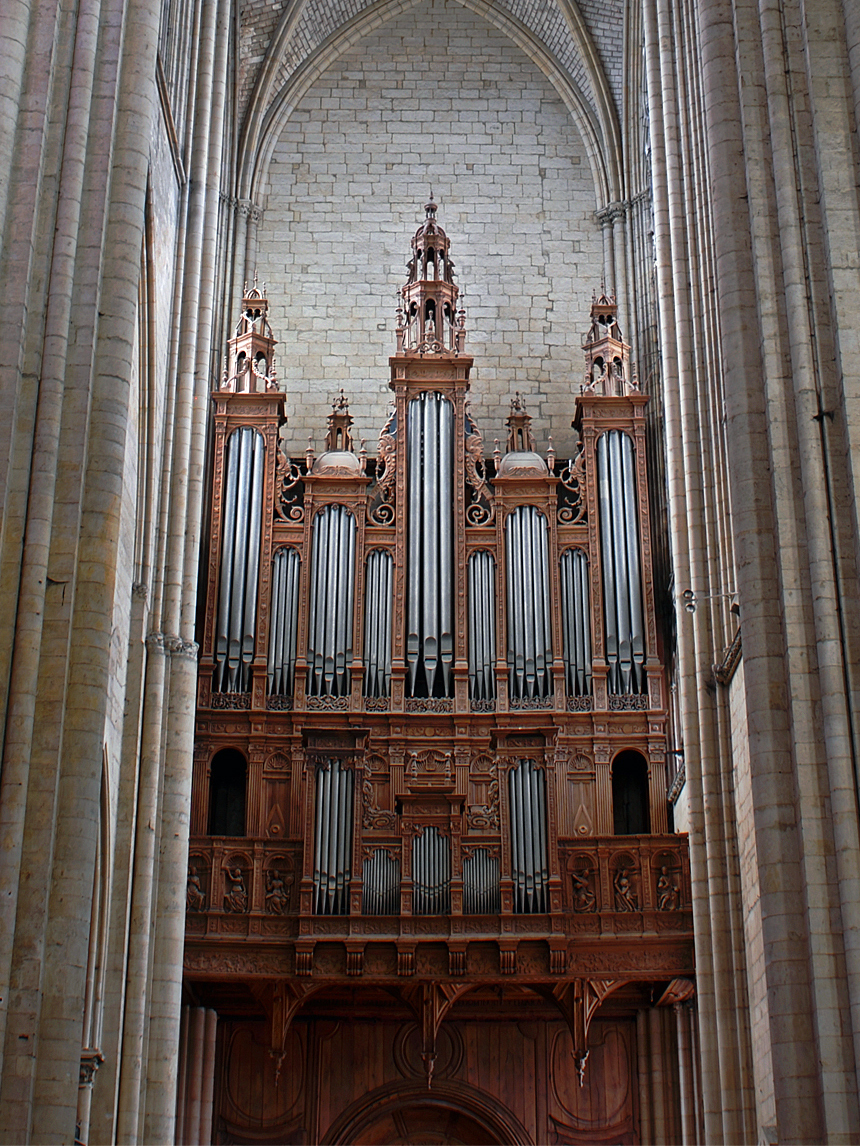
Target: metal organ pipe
(482, 626)
(333, 839)
(431, 873)
(331, 602)
(240, 559)
(529, 864)
(481, 891)
(380, 884)
(430, 549)
(576, 622)
(377, 623)
(286, 569)
(619, 550)
(529, 630)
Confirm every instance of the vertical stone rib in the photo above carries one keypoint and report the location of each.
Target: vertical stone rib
(198, 293)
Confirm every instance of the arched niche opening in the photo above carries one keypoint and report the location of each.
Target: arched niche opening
(228, 781)
(630, 811)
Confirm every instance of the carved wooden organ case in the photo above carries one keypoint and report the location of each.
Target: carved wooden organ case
(418, 676)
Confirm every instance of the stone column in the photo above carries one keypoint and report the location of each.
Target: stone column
(689, 1134)
(207, 1097)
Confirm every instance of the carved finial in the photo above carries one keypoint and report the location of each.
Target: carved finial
(520, 437)
(309, 453)
(362, 456)
(338, 436)
(550, 456)
(497, 453)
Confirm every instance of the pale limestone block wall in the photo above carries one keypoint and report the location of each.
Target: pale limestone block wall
(435, 98)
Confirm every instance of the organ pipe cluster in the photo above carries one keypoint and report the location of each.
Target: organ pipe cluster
(240, 557)
(430, 552)
(283, 630)
(529, 626)
(619, 551)
(431, 873)
(529, 863)
(333, 838)
(330, 604)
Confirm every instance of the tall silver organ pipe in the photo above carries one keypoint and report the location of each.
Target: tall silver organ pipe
(431, 873)
(333, 839)
(576, 621)
(482, 626)
(529, 867)
(283, 622)
(619, 551)
(430, 568)
(380, 884)
(379, 583)
(529, 635)
(481, 892)
(330, 602)
(240, 560)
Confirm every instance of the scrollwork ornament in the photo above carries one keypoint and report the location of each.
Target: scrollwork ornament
(486, 816)
(381, 509)
(574, 506)
(482, 510)
(289, 489)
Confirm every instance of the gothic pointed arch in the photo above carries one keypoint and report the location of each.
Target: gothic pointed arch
(586, 95)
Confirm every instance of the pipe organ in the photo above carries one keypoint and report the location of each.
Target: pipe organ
(429, 661)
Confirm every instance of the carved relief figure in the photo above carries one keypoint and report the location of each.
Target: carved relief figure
(195, 898)
(584, 898)
(277, 896)
(625, 894)
(668, 891)
(236, 899)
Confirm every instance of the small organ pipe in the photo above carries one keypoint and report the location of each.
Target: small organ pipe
(529, 630)
(414, 455)
(240, 558)
(240, 555)
(431, 873)
(331, 602)
(632, 539)
(430, 497)
(430, 537)
(529, 863)
(573, 579)
(481, 626)
(446, 539)
(229, 530)
(333, 839)
(282, 630)
(378, 607)
(622, 579)
(253, 550)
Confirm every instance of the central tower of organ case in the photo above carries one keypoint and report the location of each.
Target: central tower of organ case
(430, 848)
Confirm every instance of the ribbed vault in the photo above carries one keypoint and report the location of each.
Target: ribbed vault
(306, 38)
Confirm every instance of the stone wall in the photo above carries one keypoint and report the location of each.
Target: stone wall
(443, 100)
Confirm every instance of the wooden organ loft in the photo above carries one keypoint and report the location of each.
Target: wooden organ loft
(432, 894)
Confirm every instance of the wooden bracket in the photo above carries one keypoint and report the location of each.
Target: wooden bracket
(282, 1001)
(430, 1003)
(577, 1000)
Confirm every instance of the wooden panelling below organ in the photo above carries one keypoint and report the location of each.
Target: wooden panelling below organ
(433, 895)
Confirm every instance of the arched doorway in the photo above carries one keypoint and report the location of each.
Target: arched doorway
(406, 1113)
